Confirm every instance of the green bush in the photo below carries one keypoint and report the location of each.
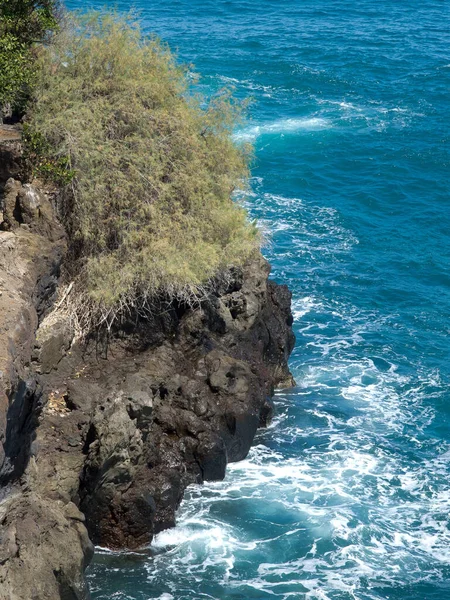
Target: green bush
(24, 24)
(148, 208)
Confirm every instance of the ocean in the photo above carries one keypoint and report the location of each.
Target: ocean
(347, 495)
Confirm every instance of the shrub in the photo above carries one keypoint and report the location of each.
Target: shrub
(148, 209)
(24, 24)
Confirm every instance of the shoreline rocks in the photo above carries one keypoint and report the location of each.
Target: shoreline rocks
(99, 446)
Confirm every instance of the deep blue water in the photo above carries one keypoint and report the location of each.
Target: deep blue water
(347, 495)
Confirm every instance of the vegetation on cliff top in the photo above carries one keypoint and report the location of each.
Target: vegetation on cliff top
(24, 26)
(149, 169)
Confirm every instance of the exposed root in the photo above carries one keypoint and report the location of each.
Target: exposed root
(85, 316)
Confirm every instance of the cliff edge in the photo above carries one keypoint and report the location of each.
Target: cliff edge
(100, 440)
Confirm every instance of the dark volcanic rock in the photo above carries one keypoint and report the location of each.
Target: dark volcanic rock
(44, 549)
(151, 421)
(99, 443)
(44, 545)
(26, 260)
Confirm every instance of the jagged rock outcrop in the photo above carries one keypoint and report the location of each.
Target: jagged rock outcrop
(175, 401)
(29, 270)
(99, 442)
(44, 549)
(35, 532)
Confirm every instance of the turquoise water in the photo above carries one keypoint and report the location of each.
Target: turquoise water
(347, 495)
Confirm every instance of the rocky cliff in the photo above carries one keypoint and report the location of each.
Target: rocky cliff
(100, 440)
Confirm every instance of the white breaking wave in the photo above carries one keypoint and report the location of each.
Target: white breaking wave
(302, 306)
(283, 126)
(318, 522)
(333, 114)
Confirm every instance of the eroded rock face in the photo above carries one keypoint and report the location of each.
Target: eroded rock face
(99, 447)
(44, 549)
(29, 268)
(164, 411)
(44, 545)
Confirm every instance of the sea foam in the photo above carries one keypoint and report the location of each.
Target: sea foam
(283, 126)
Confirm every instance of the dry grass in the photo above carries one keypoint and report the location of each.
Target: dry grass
(149, 209)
